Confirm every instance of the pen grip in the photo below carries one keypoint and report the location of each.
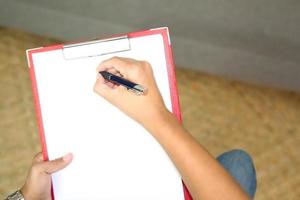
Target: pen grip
(117, 80)
(122, 81)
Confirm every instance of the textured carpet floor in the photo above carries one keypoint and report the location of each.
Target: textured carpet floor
(221, 114)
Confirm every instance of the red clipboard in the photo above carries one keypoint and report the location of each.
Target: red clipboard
(170, 70)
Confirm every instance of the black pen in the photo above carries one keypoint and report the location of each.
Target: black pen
(136, 88)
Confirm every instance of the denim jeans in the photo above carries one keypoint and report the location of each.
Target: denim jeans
(240, 165)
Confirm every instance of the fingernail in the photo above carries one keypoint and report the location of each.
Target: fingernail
(100, 78)
(68, 157)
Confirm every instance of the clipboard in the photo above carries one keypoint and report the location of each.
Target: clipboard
(114, 157)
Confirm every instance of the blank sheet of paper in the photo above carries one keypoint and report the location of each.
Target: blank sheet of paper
(114, 157)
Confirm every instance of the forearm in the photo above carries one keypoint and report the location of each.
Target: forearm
(204, 177)
(202, 174)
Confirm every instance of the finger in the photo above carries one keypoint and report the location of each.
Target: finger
(52, 166)
(100, 78)
(101, 67)
(111, 85)
(104, 68)
(120, 64)
(108, 92)
(119, 74)
(101, 84)
(38, 158)
(112, 70)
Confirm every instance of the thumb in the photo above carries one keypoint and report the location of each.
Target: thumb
(109, 92)
(52, 166)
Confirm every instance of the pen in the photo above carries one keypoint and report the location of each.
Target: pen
(136, 88)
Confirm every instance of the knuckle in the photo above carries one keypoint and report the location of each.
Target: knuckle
(36, 168)
(95, 88)
(115, 58)
(37, 157)
(98, 68)
(147, 66)
(56, 161)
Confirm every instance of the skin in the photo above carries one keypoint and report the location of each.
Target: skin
(202, 174)
(38, 182)
(204, 177)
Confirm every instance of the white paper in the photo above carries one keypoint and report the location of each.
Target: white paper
(114, 157)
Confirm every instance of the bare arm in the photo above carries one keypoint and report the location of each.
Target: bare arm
(202, 174)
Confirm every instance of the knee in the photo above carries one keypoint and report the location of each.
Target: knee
(240, 166)
(239, 155)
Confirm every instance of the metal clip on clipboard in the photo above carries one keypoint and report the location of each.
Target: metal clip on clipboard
(96, 48)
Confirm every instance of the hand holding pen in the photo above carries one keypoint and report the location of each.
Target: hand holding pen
(134, 75)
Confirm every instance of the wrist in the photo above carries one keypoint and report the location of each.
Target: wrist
(158, 120)
(25, 193)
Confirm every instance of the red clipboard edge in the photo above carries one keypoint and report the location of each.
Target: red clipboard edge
(37, 103)
(173, 88)
(164, 31)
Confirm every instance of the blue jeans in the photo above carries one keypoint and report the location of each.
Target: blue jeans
(240, 165)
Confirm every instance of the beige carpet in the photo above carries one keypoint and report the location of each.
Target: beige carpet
(220, 113)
